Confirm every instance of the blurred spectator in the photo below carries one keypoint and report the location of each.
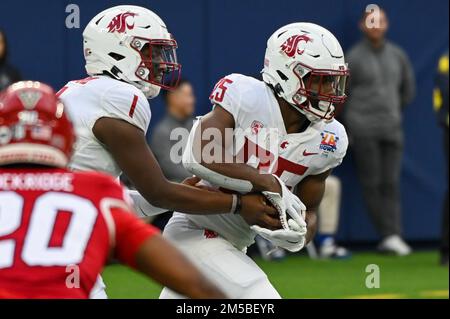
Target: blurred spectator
(180, 107)
(381, 84)
(440, 101)
(328, 215)
(8, 73)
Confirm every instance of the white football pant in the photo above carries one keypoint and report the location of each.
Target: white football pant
(230, 269)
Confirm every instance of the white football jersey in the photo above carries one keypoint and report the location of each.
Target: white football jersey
(95, 97)
(262, 142)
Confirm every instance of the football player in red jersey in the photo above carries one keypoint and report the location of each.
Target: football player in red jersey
(58, 228)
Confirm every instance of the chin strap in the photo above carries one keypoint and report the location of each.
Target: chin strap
(311, 117)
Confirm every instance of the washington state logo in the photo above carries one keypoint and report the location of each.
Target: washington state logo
(290, 46)
(119, 22)
(256, 127)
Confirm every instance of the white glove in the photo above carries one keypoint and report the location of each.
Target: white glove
(287, 203)
(292, 239)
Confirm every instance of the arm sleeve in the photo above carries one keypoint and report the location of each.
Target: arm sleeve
(128, 104)
(341, 150)
(408, 87)
(131, 233)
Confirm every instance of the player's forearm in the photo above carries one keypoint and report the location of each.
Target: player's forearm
(159, 192)
(311, 222)
(213, 154)
(188, 199)
(260, 181)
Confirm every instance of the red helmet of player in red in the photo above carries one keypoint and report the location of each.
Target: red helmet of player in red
(33, 126)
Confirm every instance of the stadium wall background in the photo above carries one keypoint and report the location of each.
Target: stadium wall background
(221, 37)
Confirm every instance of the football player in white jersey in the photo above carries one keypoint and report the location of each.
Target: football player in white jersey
(130, 56)
(284, 129)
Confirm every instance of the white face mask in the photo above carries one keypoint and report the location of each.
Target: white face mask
(326, 107)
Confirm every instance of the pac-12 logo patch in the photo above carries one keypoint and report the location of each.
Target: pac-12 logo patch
(329, 140)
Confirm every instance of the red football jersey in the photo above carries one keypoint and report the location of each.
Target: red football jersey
(58, 228)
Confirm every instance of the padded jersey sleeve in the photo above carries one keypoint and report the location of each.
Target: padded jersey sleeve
(228, 93)
(341, 149)
(127, 103)
(336, 157)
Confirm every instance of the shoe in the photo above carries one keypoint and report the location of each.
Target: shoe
(269, 251)
(394, 244)
(330, 250)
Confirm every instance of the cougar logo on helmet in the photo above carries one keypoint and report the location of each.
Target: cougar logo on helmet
(290, 46)
(119, 22)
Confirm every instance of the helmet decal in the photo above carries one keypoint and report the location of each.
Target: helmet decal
(290, 46)
(29, 98)
(119, 22)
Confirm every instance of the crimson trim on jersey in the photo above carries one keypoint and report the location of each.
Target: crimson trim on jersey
(133, 105)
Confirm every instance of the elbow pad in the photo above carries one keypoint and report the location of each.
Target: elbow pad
(142, 207)
(216, 179)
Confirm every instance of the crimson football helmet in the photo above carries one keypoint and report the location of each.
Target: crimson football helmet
(33, 126)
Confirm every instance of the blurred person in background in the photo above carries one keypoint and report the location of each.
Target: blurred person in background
(8, 73)
(180, 107)
(381, 85)
(328, 217)
(440, 101)
(327, 227)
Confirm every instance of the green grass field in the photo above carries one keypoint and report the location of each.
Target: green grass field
(414, 276)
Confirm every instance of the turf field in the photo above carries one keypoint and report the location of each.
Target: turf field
(414, 276)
